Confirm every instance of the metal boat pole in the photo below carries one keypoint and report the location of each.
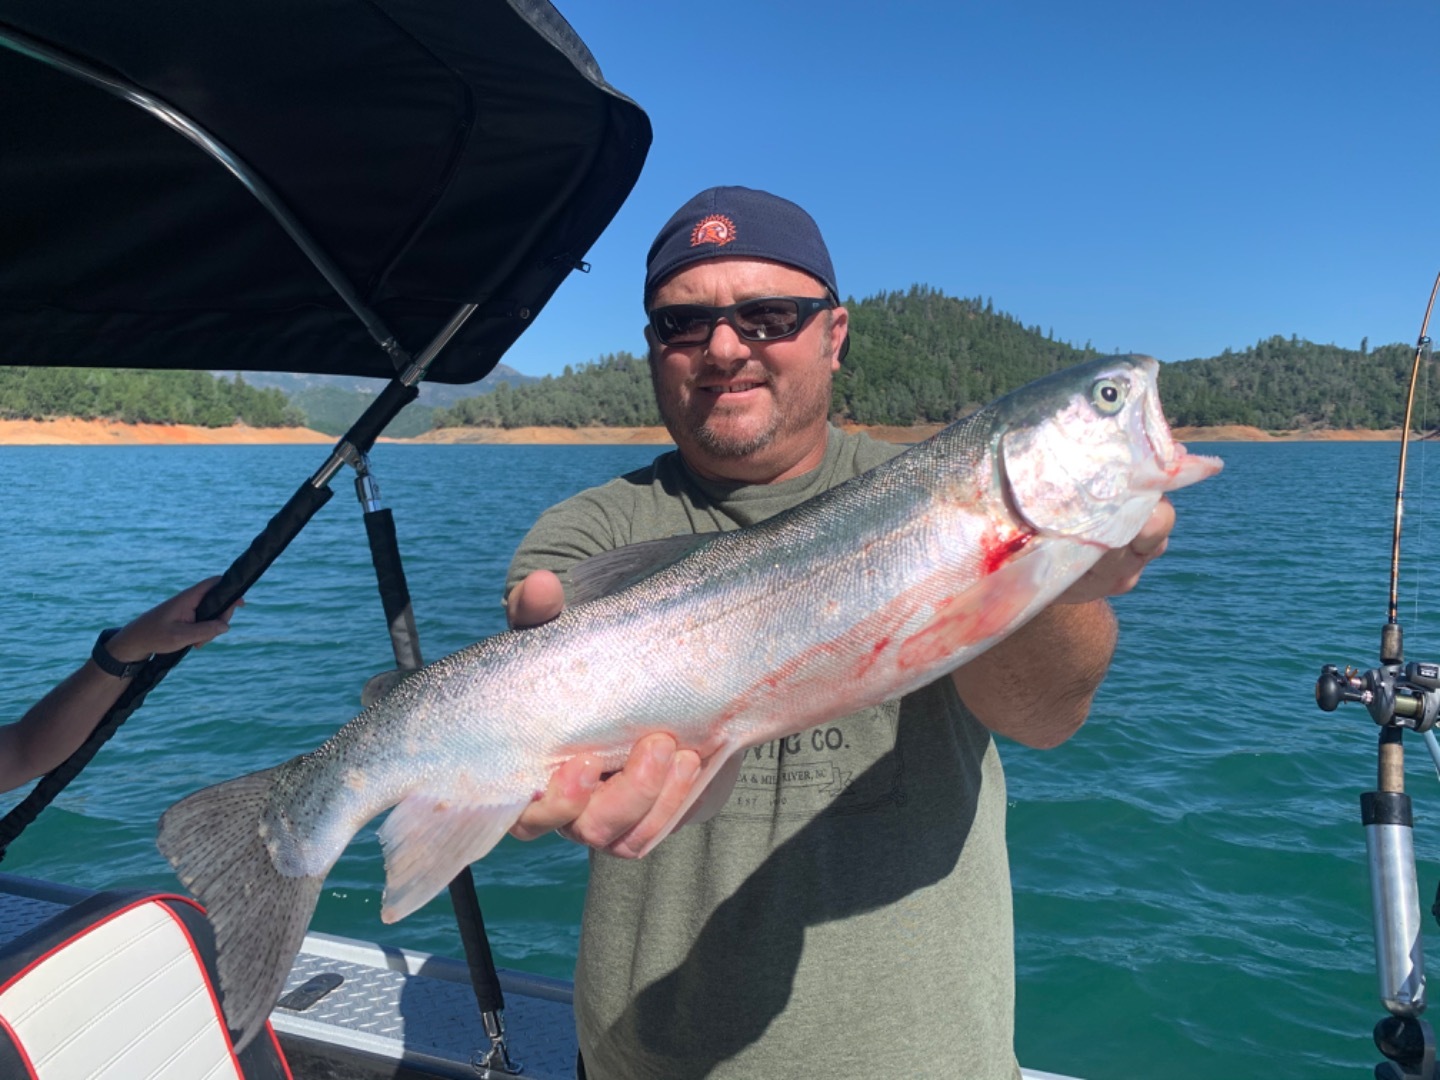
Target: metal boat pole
(1394, 896)
(494, 1060)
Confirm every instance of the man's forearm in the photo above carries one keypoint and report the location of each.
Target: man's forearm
(1036, 686)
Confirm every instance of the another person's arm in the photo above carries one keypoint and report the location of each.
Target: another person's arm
(58, 723)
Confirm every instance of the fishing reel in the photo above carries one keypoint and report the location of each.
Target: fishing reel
(1398, 697)
(1395, 696)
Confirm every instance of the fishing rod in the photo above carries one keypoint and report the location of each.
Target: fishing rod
(1398, 696)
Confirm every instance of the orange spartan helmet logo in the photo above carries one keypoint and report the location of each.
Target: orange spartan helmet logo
(716, 229)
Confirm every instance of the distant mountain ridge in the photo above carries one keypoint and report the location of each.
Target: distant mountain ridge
(436, 395)
(331, 403)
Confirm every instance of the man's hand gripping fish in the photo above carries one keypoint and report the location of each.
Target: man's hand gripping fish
(862, 594)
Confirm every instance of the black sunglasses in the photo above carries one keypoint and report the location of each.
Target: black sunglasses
(768, 318)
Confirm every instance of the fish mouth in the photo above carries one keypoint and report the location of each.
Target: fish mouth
(1157, 433)
(1174, 466)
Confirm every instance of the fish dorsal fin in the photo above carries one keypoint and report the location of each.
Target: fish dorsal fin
(610, 571)
(377, 686)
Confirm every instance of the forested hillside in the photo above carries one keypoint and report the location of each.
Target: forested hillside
(614, 391)
(141, 397)
(921, 357)
(1290, 384)
(916, 356)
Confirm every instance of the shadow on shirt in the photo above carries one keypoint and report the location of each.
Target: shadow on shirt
(739, 975)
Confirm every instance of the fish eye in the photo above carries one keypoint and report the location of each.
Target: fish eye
(1108, 395)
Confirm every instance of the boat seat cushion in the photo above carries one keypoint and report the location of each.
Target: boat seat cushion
(121, 986)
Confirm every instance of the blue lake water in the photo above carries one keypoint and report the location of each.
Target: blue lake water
(1189, 870)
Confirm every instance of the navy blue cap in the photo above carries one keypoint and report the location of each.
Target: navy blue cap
(739, 221)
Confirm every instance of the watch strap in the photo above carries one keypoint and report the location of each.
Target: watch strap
(107, 663)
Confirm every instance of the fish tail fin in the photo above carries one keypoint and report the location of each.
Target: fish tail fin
(213, 840)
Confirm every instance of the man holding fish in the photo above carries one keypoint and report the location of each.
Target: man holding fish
(757, 634)
(840, 900)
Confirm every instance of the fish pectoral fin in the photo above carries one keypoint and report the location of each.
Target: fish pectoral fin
(717, 790)
(428, 839)
(709, 794)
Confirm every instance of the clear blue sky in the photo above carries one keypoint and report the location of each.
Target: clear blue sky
(1162, 177)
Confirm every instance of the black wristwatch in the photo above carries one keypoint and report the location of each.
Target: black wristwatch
(107, 663)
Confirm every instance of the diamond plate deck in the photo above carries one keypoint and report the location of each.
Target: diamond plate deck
(420, 1010)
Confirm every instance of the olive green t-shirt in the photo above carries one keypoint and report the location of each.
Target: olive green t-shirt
(847, 912)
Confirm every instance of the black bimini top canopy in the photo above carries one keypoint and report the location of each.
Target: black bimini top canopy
(432, 154)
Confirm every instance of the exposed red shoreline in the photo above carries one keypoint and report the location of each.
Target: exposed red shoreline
(68, 431)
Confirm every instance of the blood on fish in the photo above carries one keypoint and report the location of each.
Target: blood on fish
(948, 635)
(997, 550)
(960, 618)
(989, 607)
(868, 661)
(814, 669)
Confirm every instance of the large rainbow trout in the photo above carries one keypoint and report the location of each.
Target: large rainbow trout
(726, 641)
